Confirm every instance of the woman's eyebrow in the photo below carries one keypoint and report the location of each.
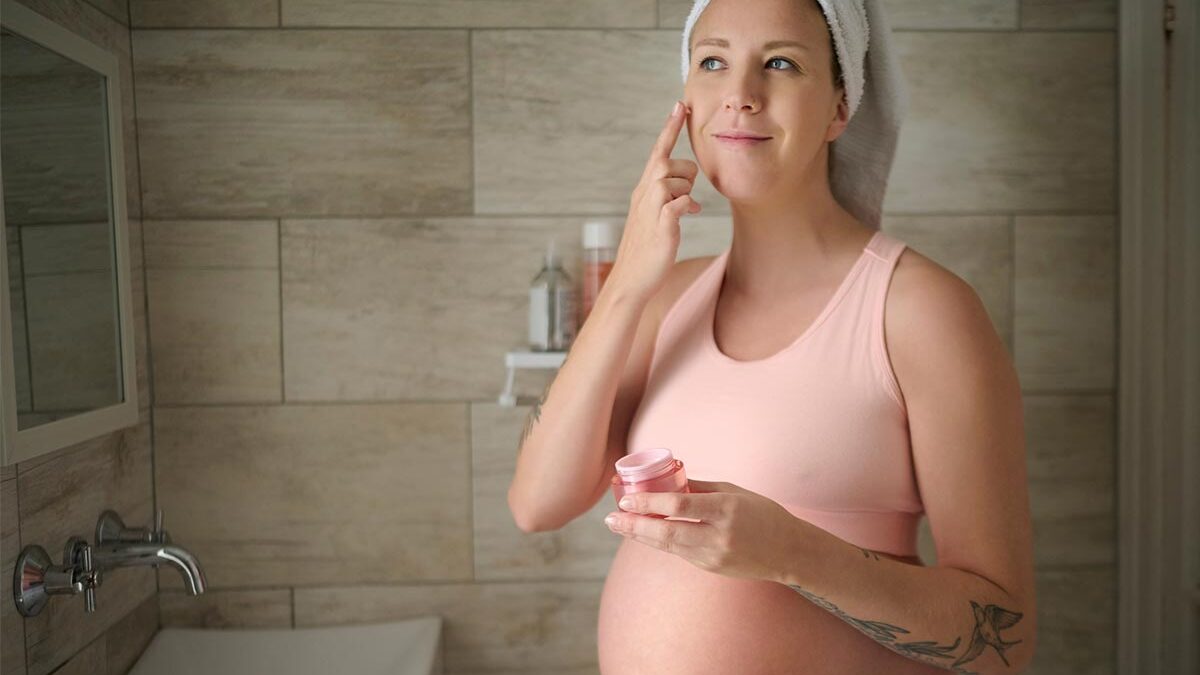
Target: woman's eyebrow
(773, 44)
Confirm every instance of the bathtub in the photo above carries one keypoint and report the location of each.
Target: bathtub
(409, 647)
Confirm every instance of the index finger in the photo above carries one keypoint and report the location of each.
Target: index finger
(670, 133)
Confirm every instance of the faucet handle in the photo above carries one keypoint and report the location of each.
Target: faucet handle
(158, 534)
(77, 557)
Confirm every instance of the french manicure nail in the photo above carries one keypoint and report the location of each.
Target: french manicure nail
(675, 112)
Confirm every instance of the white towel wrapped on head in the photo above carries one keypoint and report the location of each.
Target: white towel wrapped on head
(877, 98)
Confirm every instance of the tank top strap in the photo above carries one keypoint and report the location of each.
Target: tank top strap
(885, 251)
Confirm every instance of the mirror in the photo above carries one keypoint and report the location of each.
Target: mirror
(68, 360)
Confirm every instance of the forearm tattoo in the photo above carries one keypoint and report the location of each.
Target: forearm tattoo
(989, 621)
(535, 412)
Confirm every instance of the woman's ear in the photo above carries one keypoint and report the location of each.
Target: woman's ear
(841, 117)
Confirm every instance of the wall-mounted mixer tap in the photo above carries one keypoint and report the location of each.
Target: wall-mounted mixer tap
(35, 579)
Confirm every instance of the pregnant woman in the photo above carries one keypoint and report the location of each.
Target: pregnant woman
(824, 384)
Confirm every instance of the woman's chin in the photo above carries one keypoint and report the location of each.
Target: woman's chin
(743, 188)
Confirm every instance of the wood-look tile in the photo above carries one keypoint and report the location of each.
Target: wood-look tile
(902, 14)
(215, 334)
(265, 608)
(12, 624)
(980, 134)
(199, 244)
(1065, 302)
(204, 13)
(300, 495)
(91, 660)
(1070, 456)
(978, 249)
(472, 13)
(118, 10)
(580, 549)
(554, 133)
(1069, 14)
(1076, 621)
(62, 495)
(214, 311)
(545, 626)
(420, 309)
(130, 636)
(254, 123)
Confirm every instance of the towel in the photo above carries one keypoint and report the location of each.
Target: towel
(877, 98)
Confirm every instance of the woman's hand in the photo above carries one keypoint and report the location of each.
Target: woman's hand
(650, 241)
(740, 533)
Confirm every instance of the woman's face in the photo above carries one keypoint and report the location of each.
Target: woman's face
(784, 92)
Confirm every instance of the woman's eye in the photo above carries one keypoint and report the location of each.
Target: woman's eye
(777, 58)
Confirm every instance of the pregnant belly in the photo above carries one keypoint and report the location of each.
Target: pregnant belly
(662, 615)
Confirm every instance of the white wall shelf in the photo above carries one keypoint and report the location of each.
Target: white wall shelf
(528, 359)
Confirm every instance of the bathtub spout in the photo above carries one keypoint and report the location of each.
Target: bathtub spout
(127, 554)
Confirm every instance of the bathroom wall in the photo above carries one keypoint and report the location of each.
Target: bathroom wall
(50, 498)
(344, 203)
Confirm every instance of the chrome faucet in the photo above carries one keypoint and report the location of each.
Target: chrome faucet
(35, 579)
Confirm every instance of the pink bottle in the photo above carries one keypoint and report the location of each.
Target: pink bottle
(654, 470)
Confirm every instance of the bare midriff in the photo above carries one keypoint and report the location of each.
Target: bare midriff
(663, 615)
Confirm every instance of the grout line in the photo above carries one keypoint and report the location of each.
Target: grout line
(1012, 286)
(279, 265)
(471, 487)
(674, 30)
(533, 215)
(474, 205)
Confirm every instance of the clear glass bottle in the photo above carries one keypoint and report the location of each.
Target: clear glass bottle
(552, 315)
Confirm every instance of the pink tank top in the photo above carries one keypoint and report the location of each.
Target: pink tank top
(819, 427)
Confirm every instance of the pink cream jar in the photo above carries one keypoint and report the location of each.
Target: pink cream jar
(654, 470)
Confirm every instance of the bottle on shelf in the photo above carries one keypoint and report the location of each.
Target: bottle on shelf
(552, 311)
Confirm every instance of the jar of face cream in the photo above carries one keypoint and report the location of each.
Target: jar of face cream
(654, 470)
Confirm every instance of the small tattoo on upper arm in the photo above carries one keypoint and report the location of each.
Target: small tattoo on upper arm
(868, 554)
(535, 412)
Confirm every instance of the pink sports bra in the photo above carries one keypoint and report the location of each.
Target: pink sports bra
(820, 426)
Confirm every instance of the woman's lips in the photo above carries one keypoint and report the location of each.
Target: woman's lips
(741, 142)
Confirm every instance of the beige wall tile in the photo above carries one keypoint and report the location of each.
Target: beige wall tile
(978, 249)
(215, 335)
(546, 142)
(1076, 621)
(421, 309)
(91, 660)
(1070, 456)
(547, 626)
(12, 624)
(206, 13)
(267, 608)
(1069, 14)
(300, 495)
(197, 244)
(986, 127)
(130, 636)
(472, 13)
(902, 14)
(62, 496)
(214, 299)
(581, 549)
(1065, 302)
(321, 122)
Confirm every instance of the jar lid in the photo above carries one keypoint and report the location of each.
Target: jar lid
(645, 464)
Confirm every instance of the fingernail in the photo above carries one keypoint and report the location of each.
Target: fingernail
(610, 520)
(675, 112)
(626, 503)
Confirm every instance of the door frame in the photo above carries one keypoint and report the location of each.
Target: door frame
(1158, 471)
